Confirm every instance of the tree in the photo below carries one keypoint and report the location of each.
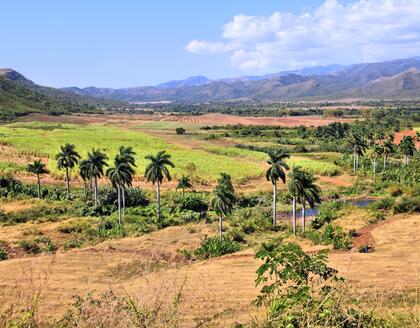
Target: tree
(275, 172)
(359, 146)
(377, 151)
(180, 131)
(296, 179)
(126, 155)
(388, 150)
(223, 199)
(38, 168)
(156, 171)
(96, 162)
(310, 194)
(407, 147)
(85, 174)
(184, 183)
(67, 158)
(119, 175)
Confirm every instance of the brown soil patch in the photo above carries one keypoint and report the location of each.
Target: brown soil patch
(207, 119)
(398, 136)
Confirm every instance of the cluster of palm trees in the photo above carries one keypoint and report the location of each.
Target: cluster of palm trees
(301, 186)
(385, 148)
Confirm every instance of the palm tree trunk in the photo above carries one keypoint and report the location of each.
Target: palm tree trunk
(384, 162)
(374, 169)
(67, 183)
(96, 189)
(405, 159)
(158, 201)
(123, 198)
(39, 186)
(357, 162)
(119, 205)
(274, 204)
(303, 218)
(84, 188)
(294, 215)
(354, 163)
(220, 227)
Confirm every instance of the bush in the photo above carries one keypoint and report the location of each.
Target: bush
(407, 205)
(328, 211)
(394, 191)
(366, 249)
(191, 201)
(30, 247)
(214, 247)
(3, 254)
(180, 131)
(236, 235)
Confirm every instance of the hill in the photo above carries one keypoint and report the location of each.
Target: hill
(20, 96)
(371, 80)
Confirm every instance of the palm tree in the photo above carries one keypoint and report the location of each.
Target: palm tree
(67, 158)
(310, 193)
(275, 172)
(38, 168)
(359, 146)
(85, 174)
(296, 179)
(388, 149)
(97, 162)
(184, 183)
(407, 147)
(223, 200)
(377, 151)
(126, 155)
(119, 176)
(156, 171)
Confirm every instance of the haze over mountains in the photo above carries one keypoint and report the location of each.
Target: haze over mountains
(384, 80)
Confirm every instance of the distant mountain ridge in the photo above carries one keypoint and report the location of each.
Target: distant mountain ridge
(391, 79)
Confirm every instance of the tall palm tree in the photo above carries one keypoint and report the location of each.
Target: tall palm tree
(97, 162)
(126, 155)
(38, 168)
(407, 147)
(223, 200)
(184, 183)
(67, 158)
(119, 175)
(359, 146)
(156, 171)
(377, 151)
(275, 172)
(310, 194)
(388, 150)
(296, 179)
(85, 174)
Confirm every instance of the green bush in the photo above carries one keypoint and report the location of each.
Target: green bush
(407, 205)
(3, 254)
(236, 235)
(30, 247)
(328, 211)
(394, 190)
(214, 247)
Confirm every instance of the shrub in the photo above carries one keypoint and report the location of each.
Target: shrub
(214, 247)
(407, 205)
(73, 243)
(366, 249)
(383, 204)
(236, 235)
(191, 201)
(46, 244)
(3, 254)
(328, 211)
(29, 247)
(180, 131)
(394, 191)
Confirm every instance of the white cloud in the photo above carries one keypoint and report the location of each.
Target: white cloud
(333, 33)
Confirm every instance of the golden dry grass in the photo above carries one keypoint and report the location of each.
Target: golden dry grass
(218, 290)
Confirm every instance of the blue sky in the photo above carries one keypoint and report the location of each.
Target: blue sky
(131, 43)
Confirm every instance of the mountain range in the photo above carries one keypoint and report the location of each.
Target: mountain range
(396, 79)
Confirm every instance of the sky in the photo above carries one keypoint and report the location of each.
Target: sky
(130, 43)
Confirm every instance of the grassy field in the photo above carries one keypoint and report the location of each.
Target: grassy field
(40, 139)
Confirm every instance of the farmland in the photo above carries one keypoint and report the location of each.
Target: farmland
(62, 255)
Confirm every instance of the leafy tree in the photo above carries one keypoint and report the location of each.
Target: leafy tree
(407, 147)
(359, 146)
(85, 174)
(296, 179)
(119, 175)
(184, 183)
(377, 151)
(126, 155)
(310, 194)
(223, 199)
(67, 158)
(38, 168)
(156, 171)
(180, 131)
(388, 150)
(96, 161)
(275, 172)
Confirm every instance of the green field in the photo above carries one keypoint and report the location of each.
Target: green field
(44, 140)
